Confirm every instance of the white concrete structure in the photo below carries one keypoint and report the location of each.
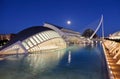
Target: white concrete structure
(33, 39)
(62, 31)
(67, 34)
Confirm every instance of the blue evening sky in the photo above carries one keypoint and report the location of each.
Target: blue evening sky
(16, 15)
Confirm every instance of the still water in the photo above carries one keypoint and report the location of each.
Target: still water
(83, 62)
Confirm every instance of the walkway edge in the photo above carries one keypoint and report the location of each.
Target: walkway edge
(108, 66)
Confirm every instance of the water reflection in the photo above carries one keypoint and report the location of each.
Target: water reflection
(44, 61)
(69, 57)
(76, 62)
(28, 67)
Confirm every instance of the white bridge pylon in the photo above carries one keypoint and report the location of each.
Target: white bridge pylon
(100, 23)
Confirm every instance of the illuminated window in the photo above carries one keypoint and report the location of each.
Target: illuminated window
(36, 39)
(29, 43)
(25, 45)
(39, 37)
(45, 35)
(32, 40)
(48, 33)
(51, 33)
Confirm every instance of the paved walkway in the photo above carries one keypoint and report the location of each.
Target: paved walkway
(114, 69)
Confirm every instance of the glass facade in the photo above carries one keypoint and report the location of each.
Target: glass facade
(38, 42)
(36, 39)
(29, 43)
(32, 40)
(25, 45)
(45, 33)
(44, 36)
(39, 38)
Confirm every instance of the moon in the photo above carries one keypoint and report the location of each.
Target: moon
(68, 22)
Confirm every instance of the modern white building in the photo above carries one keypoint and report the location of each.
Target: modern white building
(67, 34)
(64, 32)
(37, 38)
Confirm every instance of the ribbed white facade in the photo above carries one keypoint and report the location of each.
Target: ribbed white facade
(46, 40)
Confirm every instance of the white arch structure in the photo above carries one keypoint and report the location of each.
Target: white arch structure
(100, 23)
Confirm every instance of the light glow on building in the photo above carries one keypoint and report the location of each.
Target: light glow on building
(45, 39)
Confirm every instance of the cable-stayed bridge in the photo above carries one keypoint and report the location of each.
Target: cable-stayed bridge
(98, 27)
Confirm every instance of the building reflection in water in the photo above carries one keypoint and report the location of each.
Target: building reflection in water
(74, 62)
(44, 61)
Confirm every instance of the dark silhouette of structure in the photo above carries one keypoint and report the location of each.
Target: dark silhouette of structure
(88, 32)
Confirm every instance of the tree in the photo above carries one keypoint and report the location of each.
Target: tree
(88, 33)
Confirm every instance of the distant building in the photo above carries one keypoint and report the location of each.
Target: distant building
(34, 39)
(6, 36)
(115, 35)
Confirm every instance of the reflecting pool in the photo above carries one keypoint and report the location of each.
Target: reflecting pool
(75, 62)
